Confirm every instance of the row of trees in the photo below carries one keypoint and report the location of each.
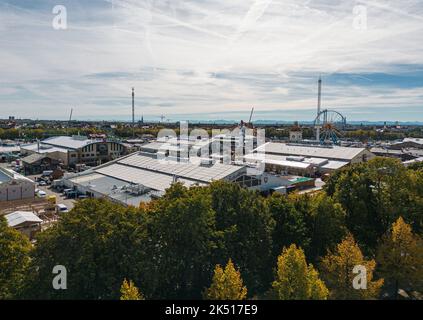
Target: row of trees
(295, 247)
(399, 258)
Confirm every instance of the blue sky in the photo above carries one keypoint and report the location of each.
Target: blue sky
(212, 59)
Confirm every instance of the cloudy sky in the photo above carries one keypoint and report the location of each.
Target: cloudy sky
(212, 59)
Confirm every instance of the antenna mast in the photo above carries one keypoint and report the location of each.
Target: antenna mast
(319, 100)
(133, 113)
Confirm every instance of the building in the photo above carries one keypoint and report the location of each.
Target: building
(408, 143)
(222, 147)
(304, 159)
(410, 162)
(25, 222)
(8, 151)
(70, 151)
(405, 150)
(141, 177)
(14, 186)
(295, 134)
(36, 163)
(392, 153)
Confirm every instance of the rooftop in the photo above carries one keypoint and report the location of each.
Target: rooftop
(20, 217)
(74, 142)
(32, 158)
(139, 170)
(415, 140)
(327, 152)
(190, 171)
(7, 175)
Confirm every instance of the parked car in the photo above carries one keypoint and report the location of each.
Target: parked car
(42, 183)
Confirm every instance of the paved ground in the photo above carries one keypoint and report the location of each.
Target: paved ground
(70, 203)
(59, 196)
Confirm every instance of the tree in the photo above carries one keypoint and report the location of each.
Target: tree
(295, 280)
(338, 272)
(14, 260)
(290, 226)
(226, 284)
(328, 226)
(244, 225)
(374, 194)
(400, 257)
(128, 291)
(182, 240)
(99, 243)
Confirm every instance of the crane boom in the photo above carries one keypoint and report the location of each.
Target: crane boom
(251, 115)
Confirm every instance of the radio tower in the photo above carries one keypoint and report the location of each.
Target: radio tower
(133, 113)
(319, 99)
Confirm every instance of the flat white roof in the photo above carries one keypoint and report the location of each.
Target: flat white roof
(152, 180)
(7, 175)
(43, 148)
(413, 161)
(333, 165)
(69, 142)
(415, 140)
(8, 149)
(276, 160)
(333, 152)
(155, 174)
(18, 217)
(192, 171)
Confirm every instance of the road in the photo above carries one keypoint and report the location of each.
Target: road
(70, 203)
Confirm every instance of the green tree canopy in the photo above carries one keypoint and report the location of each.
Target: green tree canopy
(374, 195)
(245, 227)
(14, 260)
(98, 242)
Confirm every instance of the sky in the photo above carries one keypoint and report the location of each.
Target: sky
(212, 59)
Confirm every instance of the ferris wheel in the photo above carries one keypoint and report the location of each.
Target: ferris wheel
(329, 125)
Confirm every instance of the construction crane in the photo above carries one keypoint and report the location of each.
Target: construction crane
(70, 119)
(251, 115)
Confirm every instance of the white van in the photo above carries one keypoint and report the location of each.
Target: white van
(41, 194)
(60, 208)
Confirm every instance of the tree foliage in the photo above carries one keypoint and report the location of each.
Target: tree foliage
(338, 272)
(374, 195)
(400, 257)
(245, 226)
(14, 260)
(128, 291)
(181, 245)
(226, 284)
(295, 280)
(173, 244)
(98, 242)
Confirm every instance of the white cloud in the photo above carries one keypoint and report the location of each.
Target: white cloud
(190, 57)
